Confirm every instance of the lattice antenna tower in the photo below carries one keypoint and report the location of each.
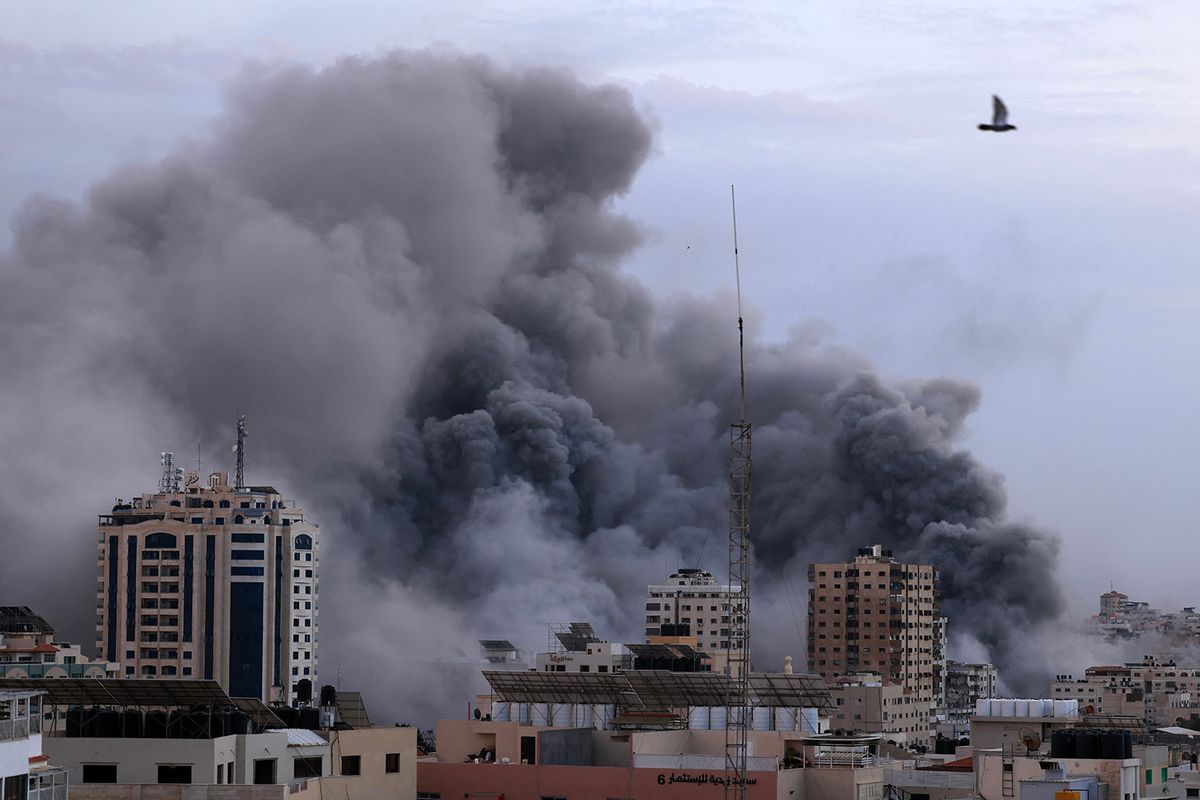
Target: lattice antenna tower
(240, 449)
(169, 480)
(738, 708)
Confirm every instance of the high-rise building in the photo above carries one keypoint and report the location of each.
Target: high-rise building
(207, 580)
(875, 614)
(691, 605)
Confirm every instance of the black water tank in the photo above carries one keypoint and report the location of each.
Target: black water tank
(1112, 744)
(132, 724)
(218, 724)
(286, 714)
(1087, 744)
(328, 695)
(175, 723)
(1127, 736)
(75, 721)
(304, 690)
(195, 724)
(156, 724)
(1062, 744)
(310, 718)
(239, 722)
(91, 721)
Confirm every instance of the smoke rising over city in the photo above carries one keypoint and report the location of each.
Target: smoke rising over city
(406, 272)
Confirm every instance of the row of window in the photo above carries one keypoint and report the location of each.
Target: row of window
(264, 770)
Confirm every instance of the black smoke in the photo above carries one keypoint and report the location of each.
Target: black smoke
(406, 272)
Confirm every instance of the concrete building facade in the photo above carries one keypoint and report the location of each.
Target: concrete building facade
(1156, 691)
(965, 685)
(866, 703)
(691, 609)
(298, 763)
(205, 580)
(875, 614)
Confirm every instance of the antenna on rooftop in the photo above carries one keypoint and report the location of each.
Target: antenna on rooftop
(169, 480)
(738, 708)
(240, 449)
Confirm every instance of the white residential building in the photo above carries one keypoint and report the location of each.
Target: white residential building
(690, 605)
(25, 773)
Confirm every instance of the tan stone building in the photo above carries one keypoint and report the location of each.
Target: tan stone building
(205, 580)
(1156, 691)
(875, 614)
(868, 704)
(29, 649)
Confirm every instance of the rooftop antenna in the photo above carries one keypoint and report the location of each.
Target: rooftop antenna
(168, 482)
(738, 709)
(240, 449)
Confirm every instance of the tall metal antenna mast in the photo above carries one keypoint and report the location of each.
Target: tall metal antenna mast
(169, 480)
(240, 449)
(738, 705)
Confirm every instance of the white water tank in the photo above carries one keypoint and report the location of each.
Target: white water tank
(1008, 707)
(983, 707)
(583, 716)
(1037, 708)
(1066, 708)
(603, 716)
(716, 718)
(540, 714)
(1020, 708)
(785, 719)
(501, 711)
(810, 721)
(524, 713)
(761, 721)
(698, 718)
(562, 715)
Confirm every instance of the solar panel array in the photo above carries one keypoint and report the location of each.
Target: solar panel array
(123, 692)
(658, 689)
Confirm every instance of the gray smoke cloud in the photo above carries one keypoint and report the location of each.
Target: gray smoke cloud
(406, 271)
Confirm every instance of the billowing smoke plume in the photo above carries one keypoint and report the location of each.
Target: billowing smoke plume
(406, 272)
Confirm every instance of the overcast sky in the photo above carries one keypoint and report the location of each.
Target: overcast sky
(1055, 266)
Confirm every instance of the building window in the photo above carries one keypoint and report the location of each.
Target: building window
(99, 773)
(309, 767)
(391, 762)
(220, 773)
(174, 773)
(264, 770)
(351, 765)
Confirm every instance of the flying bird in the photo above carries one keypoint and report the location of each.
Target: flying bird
(999, 118)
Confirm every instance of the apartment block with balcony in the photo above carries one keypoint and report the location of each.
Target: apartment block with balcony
(878, 615)
(25, 773)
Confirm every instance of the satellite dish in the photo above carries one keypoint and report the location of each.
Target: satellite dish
(477, 714)
(1030, 739)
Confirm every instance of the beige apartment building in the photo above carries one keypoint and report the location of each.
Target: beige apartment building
(691, 605)
(865, 703)
(1155, 691)
(877, 615)
(207, 580)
